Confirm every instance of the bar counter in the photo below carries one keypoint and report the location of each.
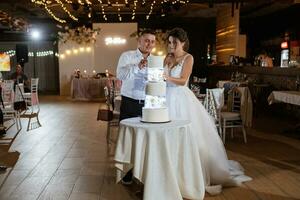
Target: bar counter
(279, 78)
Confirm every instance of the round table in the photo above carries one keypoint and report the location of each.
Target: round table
(164, 156)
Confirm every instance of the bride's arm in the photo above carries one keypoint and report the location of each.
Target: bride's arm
(185, 73)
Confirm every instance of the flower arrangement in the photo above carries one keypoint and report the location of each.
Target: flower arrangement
(14, 23)
(80, 35)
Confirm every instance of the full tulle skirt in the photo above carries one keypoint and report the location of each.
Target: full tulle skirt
(217, 169)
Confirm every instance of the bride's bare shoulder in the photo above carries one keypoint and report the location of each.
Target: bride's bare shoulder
(189, 57)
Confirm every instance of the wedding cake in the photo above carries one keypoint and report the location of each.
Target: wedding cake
(155, 109)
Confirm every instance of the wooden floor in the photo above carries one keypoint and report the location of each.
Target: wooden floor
(67, 158)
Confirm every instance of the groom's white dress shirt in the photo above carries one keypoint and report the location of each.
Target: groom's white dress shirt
(133, 78)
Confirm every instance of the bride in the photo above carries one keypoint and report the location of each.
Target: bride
(183, 104)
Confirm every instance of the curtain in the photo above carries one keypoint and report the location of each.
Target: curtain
(44, 67)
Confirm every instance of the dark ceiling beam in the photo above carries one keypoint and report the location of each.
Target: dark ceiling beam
(225, 1)
(241, 1)
(259, 6)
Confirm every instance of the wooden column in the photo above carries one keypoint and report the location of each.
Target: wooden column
(228, 40)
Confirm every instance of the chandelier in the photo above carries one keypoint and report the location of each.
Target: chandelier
(105, 7)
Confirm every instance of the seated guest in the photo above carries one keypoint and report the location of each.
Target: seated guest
(265, 60)
(20, 77)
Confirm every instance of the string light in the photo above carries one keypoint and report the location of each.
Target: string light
(163, 14)
(88, 49)
(75, 51)
(134, 9)
(12, 53)
(80, 2)
(109, 3)
(66, 10)
(43, 3)
(62, 56)
(88, 2)
(103, 11)
(143, 2)
(44, 53)
(68, 52)
(154, 6)
(54, 17)
(151, 9)
(119, 15)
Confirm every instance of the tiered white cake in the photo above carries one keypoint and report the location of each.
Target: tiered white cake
(155, 109)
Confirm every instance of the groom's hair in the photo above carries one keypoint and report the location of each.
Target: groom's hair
(148, 31)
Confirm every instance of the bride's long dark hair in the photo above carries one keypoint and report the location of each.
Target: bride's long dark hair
(181, 35)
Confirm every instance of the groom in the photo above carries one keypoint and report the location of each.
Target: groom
(133, 73)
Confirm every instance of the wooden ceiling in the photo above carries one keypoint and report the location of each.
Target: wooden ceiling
(194, 9)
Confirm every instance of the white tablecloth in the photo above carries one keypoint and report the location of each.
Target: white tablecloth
(221, 83)
(291, 97)
(163, 156)
(88, 89)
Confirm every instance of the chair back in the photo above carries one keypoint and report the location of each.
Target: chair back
(34, 85)
(108, 93)
(8, 92)
(209, 104)
(19, 90)
(118, 84)
(8, 81)
(236, 100)
(214, 101)
(34, 92)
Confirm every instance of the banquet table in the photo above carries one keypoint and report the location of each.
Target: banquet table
(163, 156)
(290, 97)
(87, 89)
(229, 84)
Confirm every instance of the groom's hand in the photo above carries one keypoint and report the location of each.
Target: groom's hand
(143, 63)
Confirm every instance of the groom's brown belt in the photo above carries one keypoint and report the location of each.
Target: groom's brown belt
(133, 100)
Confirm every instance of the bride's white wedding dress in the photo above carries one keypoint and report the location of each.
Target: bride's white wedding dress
(217, 170)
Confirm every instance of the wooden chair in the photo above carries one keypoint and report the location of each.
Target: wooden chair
(232, 119)
(33, 106)
(110, 97)
(8, 98)
(213, 103)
